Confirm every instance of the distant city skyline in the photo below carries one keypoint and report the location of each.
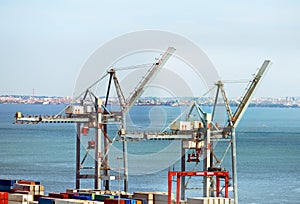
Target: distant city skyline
(284, 102)
(44, 45)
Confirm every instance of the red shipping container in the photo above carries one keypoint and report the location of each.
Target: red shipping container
(56, 195)
(113, 201)
(3, 201)
(71, 194)
(26, 182)
(65, 195)
(3, 196)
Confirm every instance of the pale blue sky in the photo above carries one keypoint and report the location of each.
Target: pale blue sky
(44, 44)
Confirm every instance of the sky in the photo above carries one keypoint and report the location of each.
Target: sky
(44, 44)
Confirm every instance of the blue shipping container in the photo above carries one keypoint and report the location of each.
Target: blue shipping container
(81, 197)
(129, 201)
(44, 200)
(5, 188)
(7, 182)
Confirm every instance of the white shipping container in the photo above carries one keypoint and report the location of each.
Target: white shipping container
(143, 195)
(32, 189)
(164, 202)
(17, 202)
(211, 200)
(98, 202)
(197, 201)
(72, 201)
(162, 197)
(17, 197)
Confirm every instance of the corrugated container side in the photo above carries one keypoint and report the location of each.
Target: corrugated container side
(145, 196)
(103, 197)
(69, 190)
(197, 201)
(114, 201)
(5, 188)
(57, 195)
(37, 197)
(20, 197)
(63, 201)
(27, 182)
(70, 195)
(64, 195)
(161, 197)
(3, 201)
(7, 182)
(98, 202)
(16, 202)
(3, 195)
(129, 201)
(68, 201)
(29, 188)
(140, 201)
(91, 195)
(46, 200)
(81, 197)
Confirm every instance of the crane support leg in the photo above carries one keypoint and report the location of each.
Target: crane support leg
(234, 167)
(77, 155)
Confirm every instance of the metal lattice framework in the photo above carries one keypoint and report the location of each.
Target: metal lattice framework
(92, 113)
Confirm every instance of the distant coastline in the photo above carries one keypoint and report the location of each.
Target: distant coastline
(283, 102)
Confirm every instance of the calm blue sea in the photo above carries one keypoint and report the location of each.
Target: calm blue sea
(268, 150)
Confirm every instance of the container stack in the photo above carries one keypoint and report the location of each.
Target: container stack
(19, 191)
(31, 192)
(85, 196)
(28, 187)
(6, 185)
(153, 197)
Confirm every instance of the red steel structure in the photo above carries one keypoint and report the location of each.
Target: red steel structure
(179, 174)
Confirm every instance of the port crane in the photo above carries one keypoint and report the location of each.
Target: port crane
(208, 134)
(198, 135)
(91, 113)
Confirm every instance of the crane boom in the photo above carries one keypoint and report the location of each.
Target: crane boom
(139, 89)
(249, 93)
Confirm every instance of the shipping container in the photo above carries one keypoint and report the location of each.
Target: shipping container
(116, 201)
(7, 182)
(16, 197)
(46, 200)
(5, 188)
(103, 197)
(3, 195)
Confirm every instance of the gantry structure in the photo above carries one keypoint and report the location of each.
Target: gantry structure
(93, 116)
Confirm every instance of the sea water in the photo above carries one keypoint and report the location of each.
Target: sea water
(268, 150)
